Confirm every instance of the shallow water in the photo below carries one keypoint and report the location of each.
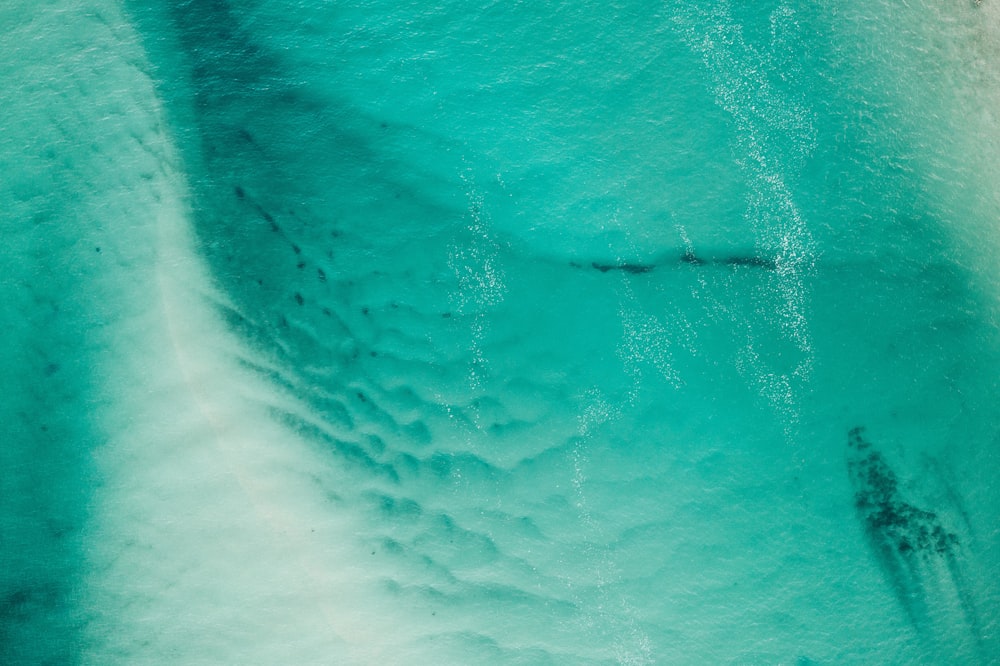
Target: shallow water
(500, 334)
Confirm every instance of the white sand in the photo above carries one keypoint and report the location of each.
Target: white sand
(211, 538)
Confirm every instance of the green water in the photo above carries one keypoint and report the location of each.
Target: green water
(504, 333)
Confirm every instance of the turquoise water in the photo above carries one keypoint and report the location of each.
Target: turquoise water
(554, 333)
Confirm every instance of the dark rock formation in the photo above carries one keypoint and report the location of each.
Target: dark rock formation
(920, 554)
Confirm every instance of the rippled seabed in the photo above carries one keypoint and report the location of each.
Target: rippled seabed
(409, 333)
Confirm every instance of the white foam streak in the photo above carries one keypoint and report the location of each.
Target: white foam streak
(765, 118)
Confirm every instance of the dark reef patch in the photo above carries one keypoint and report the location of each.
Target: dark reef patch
(886, 515)
(688, 257)
(751, 261)
(919, 552)
(633, 269)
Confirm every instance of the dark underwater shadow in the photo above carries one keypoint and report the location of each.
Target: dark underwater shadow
(923, 554)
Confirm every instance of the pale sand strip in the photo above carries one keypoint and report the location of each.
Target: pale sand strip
(211, 540)
(976, 78)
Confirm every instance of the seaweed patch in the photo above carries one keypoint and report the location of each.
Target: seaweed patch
(899, 525)
(919, 551)
(688, 257)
